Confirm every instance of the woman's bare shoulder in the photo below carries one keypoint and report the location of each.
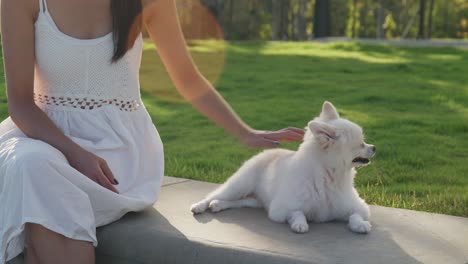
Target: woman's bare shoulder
(30, 7)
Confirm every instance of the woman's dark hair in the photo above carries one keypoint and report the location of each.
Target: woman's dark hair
(126, 25)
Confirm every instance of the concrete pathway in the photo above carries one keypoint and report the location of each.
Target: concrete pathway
(460, 43)
(169, 233)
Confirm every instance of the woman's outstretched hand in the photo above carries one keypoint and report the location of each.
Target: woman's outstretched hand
(164, 29)
(271, 139)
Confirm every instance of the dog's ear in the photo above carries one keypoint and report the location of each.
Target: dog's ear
(329, 111)
(325, 134)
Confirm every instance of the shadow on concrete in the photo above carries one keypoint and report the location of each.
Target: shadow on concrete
(148, 237)
(138, 237)
(330, 242)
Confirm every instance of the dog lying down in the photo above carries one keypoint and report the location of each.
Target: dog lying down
(314, 183)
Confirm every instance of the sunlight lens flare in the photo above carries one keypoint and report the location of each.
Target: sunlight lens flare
(205, 40)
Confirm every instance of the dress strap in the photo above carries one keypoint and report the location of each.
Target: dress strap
(43, 6)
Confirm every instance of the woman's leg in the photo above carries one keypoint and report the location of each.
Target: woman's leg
(46, 246)
(30, 256)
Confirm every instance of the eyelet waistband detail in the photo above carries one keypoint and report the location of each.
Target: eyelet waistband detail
(86, 103)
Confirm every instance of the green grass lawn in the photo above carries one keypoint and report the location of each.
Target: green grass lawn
(411, 102)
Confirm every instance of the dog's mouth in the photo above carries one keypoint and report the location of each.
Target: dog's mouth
(361, 160)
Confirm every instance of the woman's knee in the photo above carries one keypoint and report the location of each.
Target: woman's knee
(52, 247)
(36, 233)
(33, 152)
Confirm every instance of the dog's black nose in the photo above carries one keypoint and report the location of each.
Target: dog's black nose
(374, 148)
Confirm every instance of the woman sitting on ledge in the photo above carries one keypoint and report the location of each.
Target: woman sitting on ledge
(79, 149)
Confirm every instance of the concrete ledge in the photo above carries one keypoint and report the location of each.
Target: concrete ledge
(169, 233)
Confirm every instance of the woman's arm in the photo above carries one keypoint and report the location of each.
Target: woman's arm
(18, 38)
(18, 18)
(161, 20)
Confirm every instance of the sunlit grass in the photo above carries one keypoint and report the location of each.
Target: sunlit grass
(411, 102)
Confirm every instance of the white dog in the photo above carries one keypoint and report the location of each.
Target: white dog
(314, 183)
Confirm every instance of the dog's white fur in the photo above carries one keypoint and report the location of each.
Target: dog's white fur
(314, 183)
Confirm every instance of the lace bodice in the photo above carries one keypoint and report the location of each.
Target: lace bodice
(72, 73)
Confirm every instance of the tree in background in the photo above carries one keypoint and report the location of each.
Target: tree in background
(321, 19)
(389, 26)
(422, 15)
(367, 19)
(353, 23)
(302, 19)
(381, 20)
(239, 19)
(280, 19)
(429, 23)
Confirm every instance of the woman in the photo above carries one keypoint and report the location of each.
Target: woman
(79, 149)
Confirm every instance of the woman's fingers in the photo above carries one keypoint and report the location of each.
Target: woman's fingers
(270, 139)
(267, 143)
(295, 129)
(289, 135)
(299, 131)
(108, 173)
(102, 179)
(293, 135)
(264, 143)
(260, 142)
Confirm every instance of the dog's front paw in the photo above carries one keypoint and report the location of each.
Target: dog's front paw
(200, 207)
(300, 227)
(363, 227)
(358, 224)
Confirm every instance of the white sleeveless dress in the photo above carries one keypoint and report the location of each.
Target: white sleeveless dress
(98, 105)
